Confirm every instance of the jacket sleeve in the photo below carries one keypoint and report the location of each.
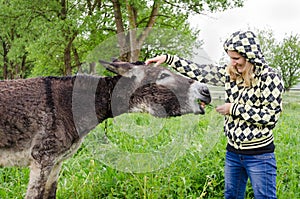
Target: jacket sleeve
(271, 103)
(206, 73)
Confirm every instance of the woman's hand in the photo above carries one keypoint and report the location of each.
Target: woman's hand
(158, 60)
(224, 109)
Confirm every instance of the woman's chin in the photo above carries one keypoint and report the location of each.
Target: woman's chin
(241, 70)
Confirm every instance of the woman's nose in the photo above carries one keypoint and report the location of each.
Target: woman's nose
(233, 62)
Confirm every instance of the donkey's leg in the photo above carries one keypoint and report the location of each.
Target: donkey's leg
(37, 182)
(51, 185)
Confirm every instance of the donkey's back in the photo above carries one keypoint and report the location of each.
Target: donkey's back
(23, 111)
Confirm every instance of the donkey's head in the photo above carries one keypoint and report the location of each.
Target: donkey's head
(155, 90)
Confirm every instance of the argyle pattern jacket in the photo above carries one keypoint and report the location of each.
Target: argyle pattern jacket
(255, 110)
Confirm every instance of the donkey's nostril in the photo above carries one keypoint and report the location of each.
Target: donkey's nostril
(205, 92)
(206, 97)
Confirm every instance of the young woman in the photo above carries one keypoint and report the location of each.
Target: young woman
(253, 103)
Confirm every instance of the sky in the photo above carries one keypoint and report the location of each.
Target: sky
(280, 16)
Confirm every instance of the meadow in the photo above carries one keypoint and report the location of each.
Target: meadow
(181, 157)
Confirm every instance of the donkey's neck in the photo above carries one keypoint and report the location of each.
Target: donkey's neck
(97, 99)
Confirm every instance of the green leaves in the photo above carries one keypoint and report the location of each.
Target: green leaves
(55, 37)
(283, 55)
(287, 58)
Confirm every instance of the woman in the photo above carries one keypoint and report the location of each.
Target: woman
(253, 103)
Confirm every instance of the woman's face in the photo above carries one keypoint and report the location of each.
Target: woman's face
(237, 60)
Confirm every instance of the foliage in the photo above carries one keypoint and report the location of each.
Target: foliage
(54, 37)
(193, 175)
(268, 43)
(287, 58)
(284, 55)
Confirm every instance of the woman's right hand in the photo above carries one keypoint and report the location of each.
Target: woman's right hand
(157, 60)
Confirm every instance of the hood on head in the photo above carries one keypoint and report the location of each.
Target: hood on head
(247, 44)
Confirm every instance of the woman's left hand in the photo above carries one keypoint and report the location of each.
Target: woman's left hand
(224, 109)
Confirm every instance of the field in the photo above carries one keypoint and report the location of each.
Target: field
(180, 158)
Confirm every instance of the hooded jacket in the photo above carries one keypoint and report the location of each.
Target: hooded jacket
(256, 109)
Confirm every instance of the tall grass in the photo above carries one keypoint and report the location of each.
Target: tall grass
(195, 171)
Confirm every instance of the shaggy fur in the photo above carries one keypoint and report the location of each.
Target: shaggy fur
(44, 120)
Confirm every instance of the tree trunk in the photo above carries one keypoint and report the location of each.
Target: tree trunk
(5, 59)
(69, 38)
(76, 58)
(63, 11)
(120, 31)
(23, 66)
(67, 60)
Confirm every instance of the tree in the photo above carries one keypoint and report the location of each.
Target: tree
(54, 37)
(147, 14)
(13, 38)
(284, 55)
(268, 43)
(287, 59)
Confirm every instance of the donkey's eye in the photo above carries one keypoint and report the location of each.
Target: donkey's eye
(163, 75)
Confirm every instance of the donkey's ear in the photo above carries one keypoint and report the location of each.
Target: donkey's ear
(119, 67)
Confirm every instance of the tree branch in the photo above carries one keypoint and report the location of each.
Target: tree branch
(150, 24)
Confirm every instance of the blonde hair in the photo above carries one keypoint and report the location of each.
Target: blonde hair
(247, 75)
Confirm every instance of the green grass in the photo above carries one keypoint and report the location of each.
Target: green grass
(186, 160)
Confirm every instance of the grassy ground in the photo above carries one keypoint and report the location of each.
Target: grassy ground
(189, 166)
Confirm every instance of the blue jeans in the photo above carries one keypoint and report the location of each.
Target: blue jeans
(261, 169)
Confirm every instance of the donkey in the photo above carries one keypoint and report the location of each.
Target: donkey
(44, 120)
